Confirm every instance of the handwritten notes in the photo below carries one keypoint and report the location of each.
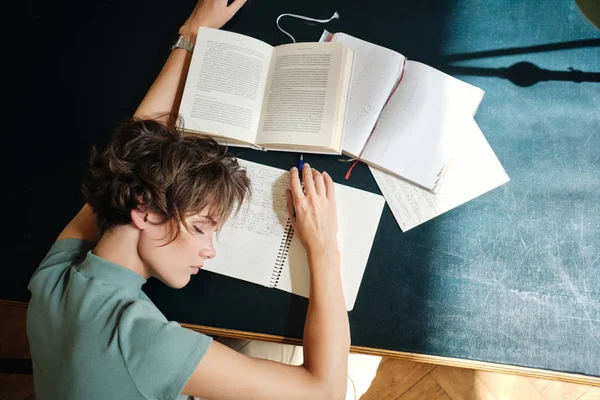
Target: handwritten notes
(266, 212)
(473, 171)
(375, 72)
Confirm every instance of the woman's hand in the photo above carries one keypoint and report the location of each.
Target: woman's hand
(211, 14)
(316, 215)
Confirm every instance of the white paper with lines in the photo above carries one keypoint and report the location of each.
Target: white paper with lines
(249, 247)
(375, 72)
(415, 134)
(473, 171)
(421, 126)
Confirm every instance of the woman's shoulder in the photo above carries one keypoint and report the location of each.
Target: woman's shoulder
(67, 250)
(160, 355)
(62, 255)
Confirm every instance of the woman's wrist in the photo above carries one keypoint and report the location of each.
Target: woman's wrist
(326, 259)
(189, 32)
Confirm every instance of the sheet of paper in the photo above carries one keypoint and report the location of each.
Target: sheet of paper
(248, 243)
(422, 124)
(473, 171)
(225, 86)
(375, 72)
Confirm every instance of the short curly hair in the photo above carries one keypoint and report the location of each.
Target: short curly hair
(147, 165)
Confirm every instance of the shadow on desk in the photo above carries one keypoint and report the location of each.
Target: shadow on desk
(525, 73)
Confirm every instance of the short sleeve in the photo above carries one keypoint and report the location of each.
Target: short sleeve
(62, 255)
(160, 356)
(66, 251)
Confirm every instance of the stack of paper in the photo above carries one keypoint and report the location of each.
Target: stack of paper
(413, 125)
(473, 171)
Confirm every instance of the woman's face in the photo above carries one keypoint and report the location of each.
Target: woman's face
(174, 263)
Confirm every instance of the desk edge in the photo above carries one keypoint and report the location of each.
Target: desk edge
(425, 358)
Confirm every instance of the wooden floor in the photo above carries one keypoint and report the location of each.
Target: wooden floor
(395, 379)
(399, 379)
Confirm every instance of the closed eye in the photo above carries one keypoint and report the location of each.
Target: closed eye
(198, 230)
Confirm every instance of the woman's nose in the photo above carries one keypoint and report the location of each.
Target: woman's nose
(208, 252)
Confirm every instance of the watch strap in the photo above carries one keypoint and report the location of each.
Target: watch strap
(183, 43)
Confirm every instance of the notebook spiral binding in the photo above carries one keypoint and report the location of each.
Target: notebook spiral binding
(282, 253)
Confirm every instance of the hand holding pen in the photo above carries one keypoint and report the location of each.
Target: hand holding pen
(312, 209)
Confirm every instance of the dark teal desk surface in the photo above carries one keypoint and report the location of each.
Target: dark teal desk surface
(512, 277)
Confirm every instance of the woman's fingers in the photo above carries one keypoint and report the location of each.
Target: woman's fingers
(296, 186)
(307, 179)
(235, 6)
(313, 182)
(329, 186)
(319, 183)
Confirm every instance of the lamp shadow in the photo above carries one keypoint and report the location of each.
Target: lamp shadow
(541, 48)
(524, 73)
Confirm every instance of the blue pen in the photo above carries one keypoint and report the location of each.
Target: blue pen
(300, 164)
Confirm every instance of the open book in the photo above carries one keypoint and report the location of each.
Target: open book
(473, 171)
(258, 245)
(248, 93)
(403, 116)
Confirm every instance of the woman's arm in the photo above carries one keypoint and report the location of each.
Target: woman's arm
(163, 99)
(224, 374)
(164, 96)
(83, 226)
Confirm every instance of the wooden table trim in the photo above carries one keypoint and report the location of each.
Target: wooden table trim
(425, 358)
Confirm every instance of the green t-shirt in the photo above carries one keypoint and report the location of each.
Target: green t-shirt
(94, 334)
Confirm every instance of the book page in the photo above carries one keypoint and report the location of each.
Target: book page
(375, 73)
(473, 171)
(225, 85)
(300, 105)
(248, 244)
(422, 124)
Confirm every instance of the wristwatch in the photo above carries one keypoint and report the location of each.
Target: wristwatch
(183, 43)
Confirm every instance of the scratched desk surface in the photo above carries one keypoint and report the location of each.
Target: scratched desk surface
(512, 277)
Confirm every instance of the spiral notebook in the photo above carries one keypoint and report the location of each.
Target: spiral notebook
(259, 245)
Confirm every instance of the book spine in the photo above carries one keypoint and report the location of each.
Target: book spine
(282, 254)
(326, 36)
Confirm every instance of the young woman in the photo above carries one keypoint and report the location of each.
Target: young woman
(153, 203)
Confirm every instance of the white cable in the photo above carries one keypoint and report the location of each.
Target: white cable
(353, 386)
(321, 21)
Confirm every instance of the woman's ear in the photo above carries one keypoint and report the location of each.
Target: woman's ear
(139, 218)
